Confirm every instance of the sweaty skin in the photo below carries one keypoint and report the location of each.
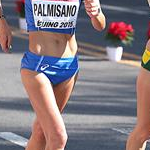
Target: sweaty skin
(52, 44)
(63, 45)
(47, 100)
(5, 33)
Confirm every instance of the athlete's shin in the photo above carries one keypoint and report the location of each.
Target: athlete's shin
(56, 140)
(34, 144)
(37, 139)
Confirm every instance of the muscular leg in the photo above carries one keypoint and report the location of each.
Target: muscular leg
(37, 139)
(141, 133)
(142, 130)
(62, 93)
(44, 104)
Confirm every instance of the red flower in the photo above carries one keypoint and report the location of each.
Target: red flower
(148, 34)
(119, 32)
(122, 35)
(119, 29)
(20, 6)
(112, 27)
(130, 28)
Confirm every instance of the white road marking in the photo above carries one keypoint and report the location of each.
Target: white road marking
(14, 138)
(125, 131)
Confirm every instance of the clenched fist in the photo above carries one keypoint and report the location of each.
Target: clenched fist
(5, 36)
(92, 7)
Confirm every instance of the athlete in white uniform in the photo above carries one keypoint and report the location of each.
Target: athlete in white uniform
(49, 67)
(141, 133)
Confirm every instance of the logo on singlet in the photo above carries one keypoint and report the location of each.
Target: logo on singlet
(43, 67)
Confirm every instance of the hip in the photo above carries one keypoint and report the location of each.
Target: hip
(56, 69)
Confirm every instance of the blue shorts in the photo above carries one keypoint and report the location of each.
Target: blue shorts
(56, 69)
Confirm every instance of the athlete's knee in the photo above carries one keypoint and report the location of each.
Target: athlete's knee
(58, 139)
(37, 132)
(62, 137)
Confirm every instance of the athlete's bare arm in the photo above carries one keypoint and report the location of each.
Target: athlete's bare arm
(99, 22)
(5, 32)
(149, 2)
(94, 11)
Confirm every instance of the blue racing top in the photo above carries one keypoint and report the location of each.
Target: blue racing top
(52, 15)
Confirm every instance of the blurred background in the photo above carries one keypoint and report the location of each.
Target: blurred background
(131, 12)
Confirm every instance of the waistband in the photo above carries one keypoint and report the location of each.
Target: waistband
(63, 31)
(58, 62)
(50, 57)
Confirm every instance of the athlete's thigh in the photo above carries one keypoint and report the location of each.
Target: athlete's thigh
(143, 97)
(63, 91)
(42, 99)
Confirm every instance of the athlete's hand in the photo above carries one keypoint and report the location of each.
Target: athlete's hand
(92, 7)
(5, 36)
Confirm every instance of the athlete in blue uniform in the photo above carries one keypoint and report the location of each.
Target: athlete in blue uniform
(141, 133)
(49, 68)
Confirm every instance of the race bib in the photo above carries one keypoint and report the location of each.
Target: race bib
(55, 14)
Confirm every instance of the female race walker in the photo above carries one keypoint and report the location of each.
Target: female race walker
(141, 133)
(49, 68)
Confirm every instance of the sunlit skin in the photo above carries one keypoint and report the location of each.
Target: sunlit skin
(5, 36)
(48, 101)
(141, 133)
